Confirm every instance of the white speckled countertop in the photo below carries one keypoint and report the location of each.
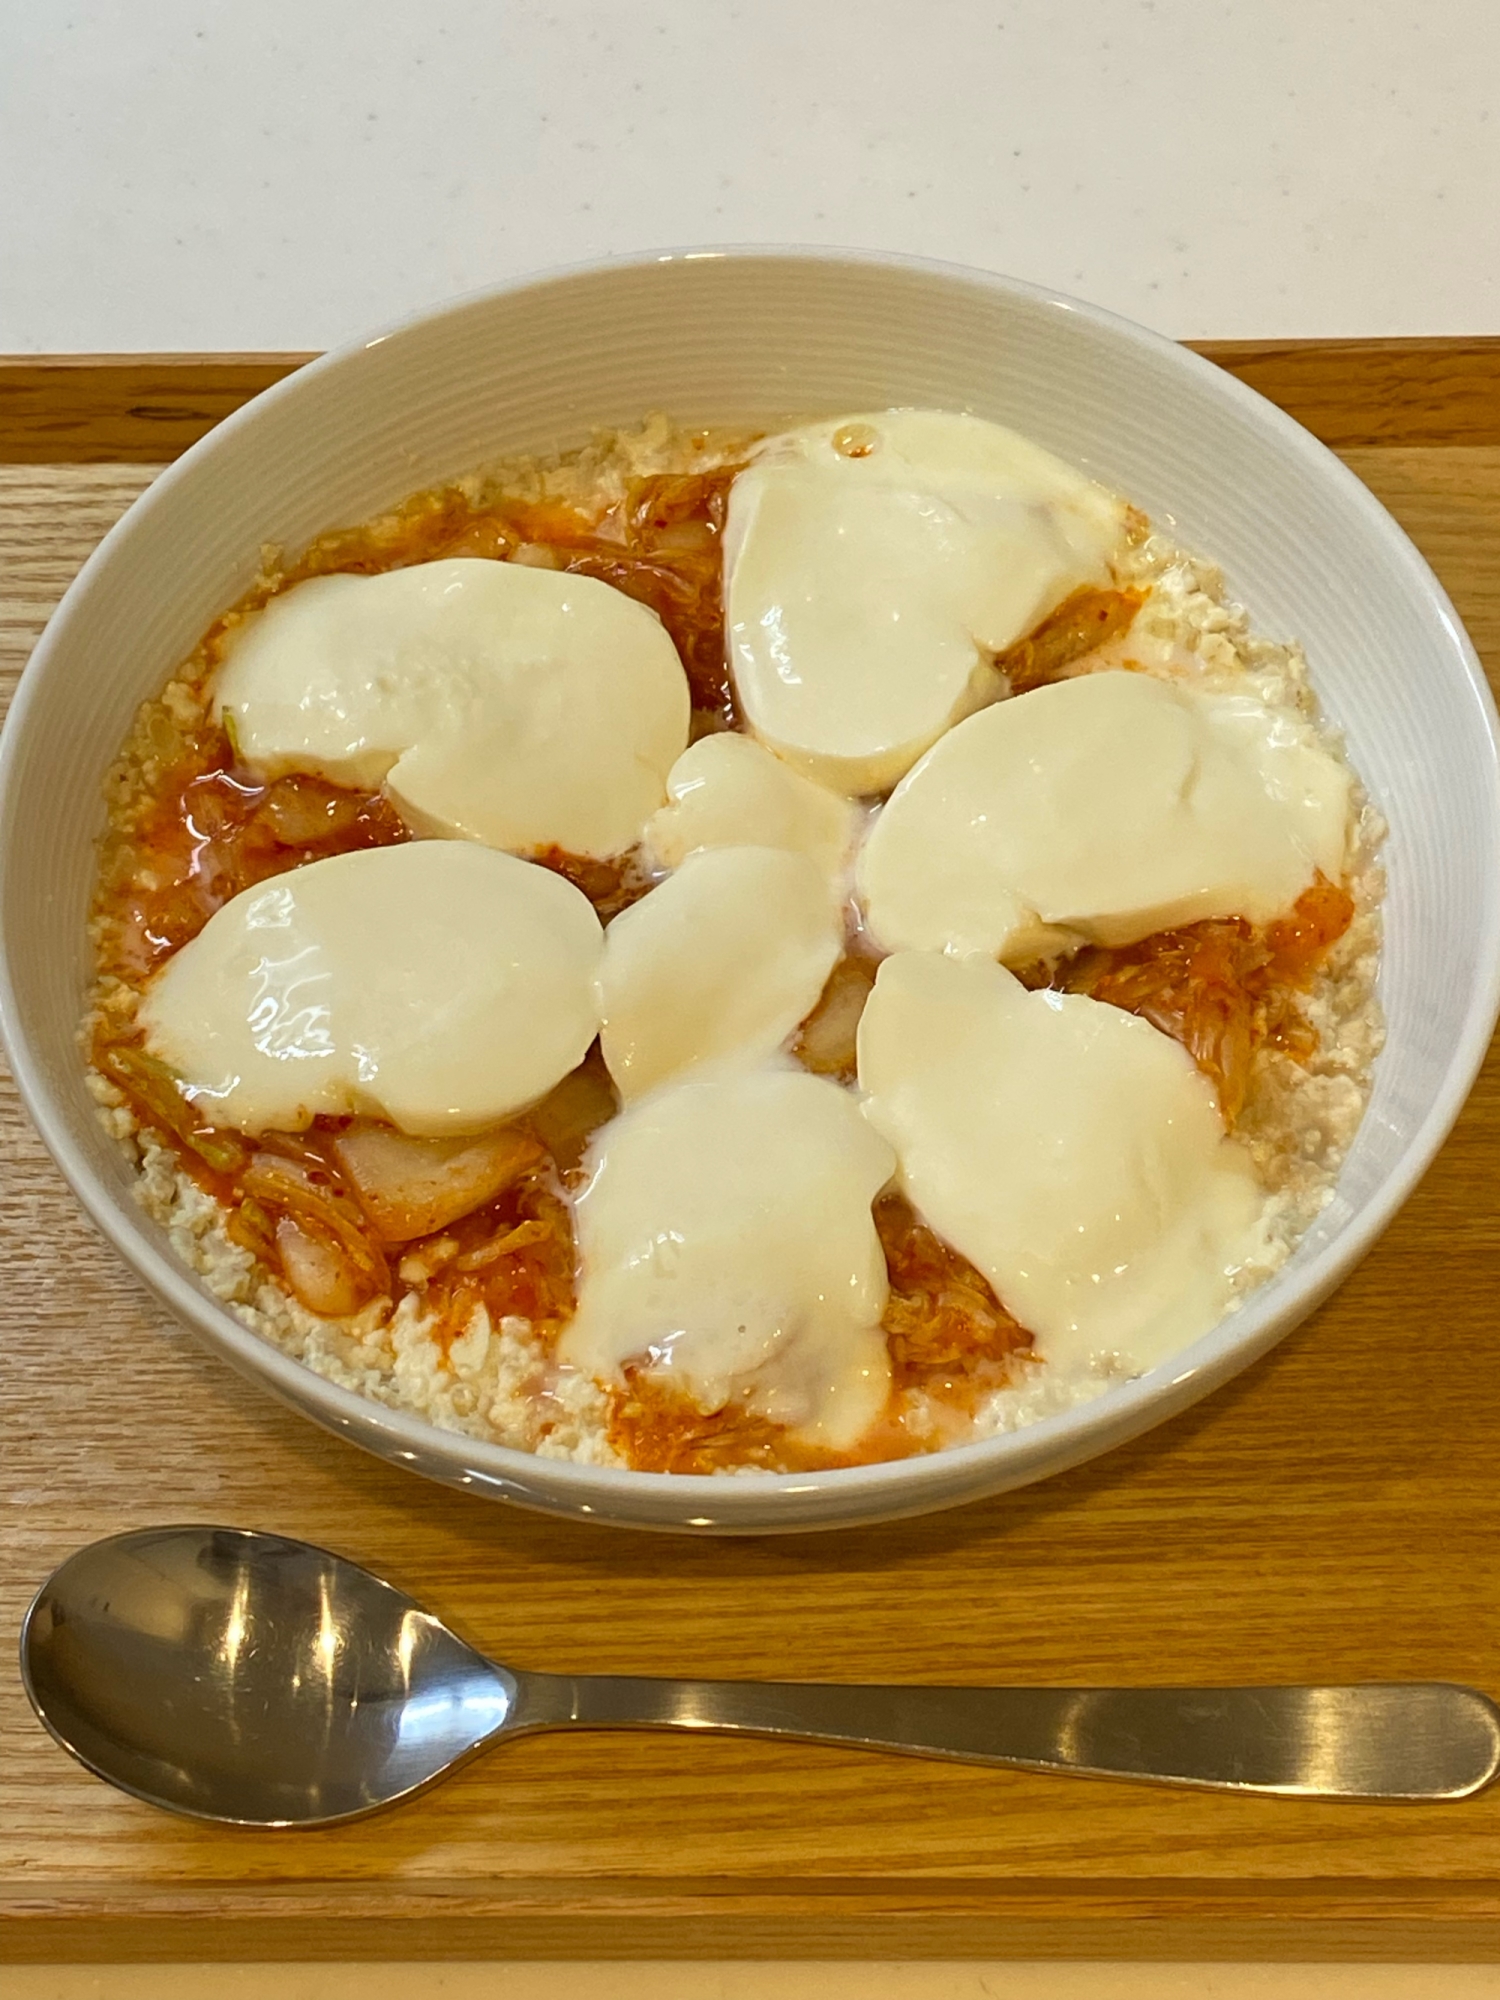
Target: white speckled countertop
(200, 175)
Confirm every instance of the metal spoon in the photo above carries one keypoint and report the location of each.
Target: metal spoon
(258, 1681)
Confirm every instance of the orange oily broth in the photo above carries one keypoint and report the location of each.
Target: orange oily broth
(208, 829)
(1083, 622)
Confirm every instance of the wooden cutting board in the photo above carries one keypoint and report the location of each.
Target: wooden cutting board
(1334, 1514)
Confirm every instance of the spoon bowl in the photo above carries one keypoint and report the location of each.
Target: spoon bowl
(251, 1679)
(254, 1680)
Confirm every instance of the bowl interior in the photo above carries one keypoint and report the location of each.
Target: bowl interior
(763, 337)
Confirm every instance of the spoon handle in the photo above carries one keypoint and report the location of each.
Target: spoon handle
(1382, 1740)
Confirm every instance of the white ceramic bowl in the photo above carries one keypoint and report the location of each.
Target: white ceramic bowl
(764, 335)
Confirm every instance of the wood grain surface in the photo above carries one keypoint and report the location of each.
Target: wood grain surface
(144, 408)
(1331, 1515)
(127, 408)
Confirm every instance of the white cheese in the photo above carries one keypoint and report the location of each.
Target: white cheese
(518, 707)
(726, 791)
(724, 958)
(726, 1246)
(1102, 808)
(1069, 1150)
(867, 594)
(438, 985)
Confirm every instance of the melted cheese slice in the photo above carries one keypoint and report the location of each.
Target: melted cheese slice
(867, 594)
(517, 707)
(1069, 1150)
(1102, 808)
(724, 958)
(437, 985)
(726, 1245)
(726, 791)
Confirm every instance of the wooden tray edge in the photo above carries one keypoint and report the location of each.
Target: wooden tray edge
(1189, 1919)
(147, 408)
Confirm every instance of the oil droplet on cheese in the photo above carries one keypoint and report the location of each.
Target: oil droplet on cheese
(868, 589)
(437, 985)
(1068, 1149)
(725, 1241)
(518, 707)
(1102, 809)
(726, 791)
(724, 958)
